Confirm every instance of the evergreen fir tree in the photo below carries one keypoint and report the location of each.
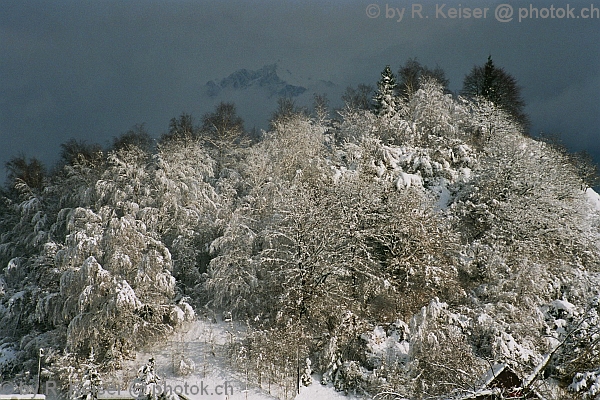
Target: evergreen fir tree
(498, 86)
(386, 102)
(488, 89)
(150, 379)
(91, 383)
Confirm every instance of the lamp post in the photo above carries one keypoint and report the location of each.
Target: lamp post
(40, 354)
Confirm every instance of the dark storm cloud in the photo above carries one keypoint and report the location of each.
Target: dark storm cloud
(93, 69)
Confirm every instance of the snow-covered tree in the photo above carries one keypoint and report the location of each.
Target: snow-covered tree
(233, 271)
(91, 382)
(412, 74)
(359, 99)
(224, 135)
(386, 97)
(223, 126)
(150, 380)
(434, 113)
(186, 205)
(23, 172)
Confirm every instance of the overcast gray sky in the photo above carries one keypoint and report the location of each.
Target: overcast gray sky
(92, 69)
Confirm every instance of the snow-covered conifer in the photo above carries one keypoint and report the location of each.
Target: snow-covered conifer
(386, 98)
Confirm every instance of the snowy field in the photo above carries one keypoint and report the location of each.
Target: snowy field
(202, 344)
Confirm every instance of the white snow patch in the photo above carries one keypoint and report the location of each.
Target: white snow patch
(391, 346)
(444, 197)
(407, 180)
(564, 305)
(593, 198)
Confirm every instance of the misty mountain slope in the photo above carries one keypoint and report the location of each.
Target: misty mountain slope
(266, 78)
(256, 92)
(404, 252)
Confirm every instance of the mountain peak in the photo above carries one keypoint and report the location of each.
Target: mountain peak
(266, 78)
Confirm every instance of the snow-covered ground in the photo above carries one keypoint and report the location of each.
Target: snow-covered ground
(213, 378)
(593, 197)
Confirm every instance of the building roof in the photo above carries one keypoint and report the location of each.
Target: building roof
(499, 380)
